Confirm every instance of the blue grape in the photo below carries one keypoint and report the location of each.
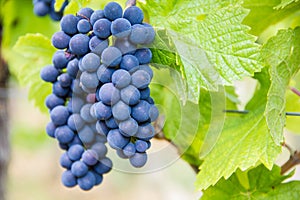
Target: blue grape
(75, 152)
(64, 134)
(141, 146)
(130, 95)
(121, 154)
(140, 112)
(129, 63)
(68, 24)
(84, 26)
(120, 28)
(147, 69)
(134, 15)
(52, 101)
(90, 62)
(145, 93)
(63, 146)
(103, 166)
(60, 60)
(50, 129)
(65, 80)
(121, 111)
(111, 56)
(79, 44)
(41, 8)
(49, 73)
(128, 127)
(76, 104)
(89, 80)
(59, 115)
(101, 28)
(79, 169)
(112, 11)
(129, 150)
(85, 113)
(125, 46)
(85, 13)
(100, 149)
(102, 129)
(105, 74)
(145, 132)
(142, 34)
(72, 68)
(86, 135)
(108, 94)
(116, 140)
(100, 139)
(97, 45)
(143, 55)
(138, 159)
(65, 161)
(90, 157)
(153, 113)
(87, 182)
(99, 178)
(60, 40)
(121, 78)
(68, 179)
(98, 14)
(102, 111)
(60, 91)
(76, 87)
(140, 79)
(111, 123)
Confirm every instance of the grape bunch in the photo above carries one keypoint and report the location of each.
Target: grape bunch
(100, 93)
(44, 7)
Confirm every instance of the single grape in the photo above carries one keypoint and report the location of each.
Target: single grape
(49, 73)
(68, 179)
(99, 178)
(59, 115)
(140, 79)
(60, 91)
(72, 68)
(60, 40)
(142, 34)
(79, 44)
(121, 78)
(112, 11)
(41, 8)
(104, 74)
(75, 122)
(103, 166)
(116, 140)
(76, 104)
(145, 93)
(52, 101)
(75, 152)
(98, 14)
(138, 160)
(65, 80)
(86, 135)
(87, 182)
(129, 63)
(97, 45)
(128, 127)
(108, 94)
(140, 112)
(147, 69)
(121, 111)
(102, 111)
(90, 157)
(50, 129)
(101, 28)
(111, 123)
(153, 113)
(60, 60)
(64, 134)
(141, 146)
(125, 46)
(129, 150)
(100, 149)
(84, 26)
(85, 113)
(65, 161)
(102, 129)
(120, 28)
(68, 24)
(90, 62)
(145, 132)
(79, 169)
(89, 80)
(143, 55)
(111, 56)
(134, 15)
(85, 13)
(130, 95)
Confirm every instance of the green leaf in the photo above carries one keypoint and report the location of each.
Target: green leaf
(282, 53)
(209, 40)
(36, 51)
(263, 184)
(234, 148)
(264, 13)
(285, 3)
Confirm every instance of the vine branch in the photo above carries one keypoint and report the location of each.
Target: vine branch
(293, 160)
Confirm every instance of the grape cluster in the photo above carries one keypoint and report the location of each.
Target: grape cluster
(44, 7)
(101, 91)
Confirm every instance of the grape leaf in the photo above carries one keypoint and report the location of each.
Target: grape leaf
(213, 46)
(285, 3)
(282, 53)
(264, 13)
(235, 147)
(262, 184)
(36, 51)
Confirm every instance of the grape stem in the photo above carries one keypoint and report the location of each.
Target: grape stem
(293, 160)
(297, 92)
(130, 3)
(247, 111)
